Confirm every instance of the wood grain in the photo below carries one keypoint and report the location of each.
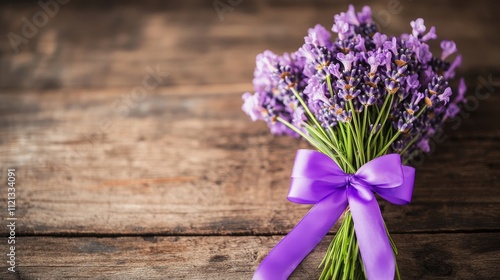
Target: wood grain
(422, 256)
(179, 183)
(195, 47)
(195, 164)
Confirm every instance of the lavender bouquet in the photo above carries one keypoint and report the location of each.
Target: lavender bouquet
(368, 103)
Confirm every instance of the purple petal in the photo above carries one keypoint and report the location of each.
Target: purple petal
(392, 45)
(346, 60)
(448, 47)
(350, 16)
(423, 53)
(365, 16)
(379, 39)
(424, 145)
(251, 106)
(342, 28)
(334, 70)
(418, 27)
(452, 111)
(318, 36)
(450, 74)
(445, 96)
(431, 35)
(462, 88)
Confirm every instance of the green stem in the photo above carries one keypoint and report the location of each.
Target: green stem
(356, 135)
(320, 140)
(411, 156)
(349, 143)
(333, 136)
(311, 115)
(298, 131)
(317, 144)
(335, 149)
(388, 144)
(365, 118)
(384, 149)
(413, 140)
(343, 259)
(379, 115)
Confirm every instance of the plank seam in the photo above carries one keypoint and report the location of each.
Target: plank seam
(116, 235)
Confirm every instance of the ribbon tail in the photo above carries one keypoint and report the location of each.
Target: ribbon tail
(293, 248)
(374, 244)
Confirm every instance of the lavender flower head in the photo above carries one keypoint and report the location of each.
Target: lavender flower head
(359, 70)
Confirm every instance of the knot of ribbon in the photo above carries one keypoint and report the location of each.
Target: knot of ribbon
(317, 179)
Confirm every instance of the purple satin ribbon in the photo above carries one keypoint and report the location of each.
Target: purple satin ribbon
(317, 179)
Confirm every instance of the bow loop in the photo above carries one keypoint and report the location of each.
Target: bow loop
(314, 177)
(382, 172)
(400, 195)
(317, 179)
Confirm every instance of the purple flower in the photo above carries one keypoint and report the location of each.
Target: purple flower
(345, 116)
(391, 86)
(367, 100)
(450, 74)
(351, 23)
(280, 129)
(398, 146)
(392, 45)
(412, 82)
(411, 108)
(334, 70)
(299, 117)
(462, 88)
(349, 94)
(431, 35)
(448, 47)
(252, 106)
(346, 60)
(360, 45)
(388, 61)
(427, 75)
(374, 62)
(342, 28)
(363, 66)
(403, 126)
(416, 98)
(318, 36)
(379, 39)
(265, 66)
(418, 27)
(412, 42)
(423, 53)
(445, 96)
(424, 145)
(350, 16)
(315, 90)
(452, 111)
(365, 16)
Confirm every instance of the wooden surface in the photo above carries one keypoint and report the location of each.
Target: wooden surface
(181, 184)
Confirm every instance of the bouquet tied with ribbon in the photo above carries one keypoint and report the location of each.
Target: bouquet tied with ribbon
(368, 103)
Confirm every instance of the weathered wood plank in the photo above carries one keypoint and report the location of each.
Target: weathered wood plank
(422, 256)
(115, 171)
(182, 164)
(191, 43)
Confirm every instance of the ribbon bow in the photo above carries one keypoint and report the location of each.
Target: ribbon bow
(317, 179)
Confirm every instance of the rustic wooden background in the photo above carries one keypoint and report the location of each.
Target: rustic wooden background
(177, 183)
